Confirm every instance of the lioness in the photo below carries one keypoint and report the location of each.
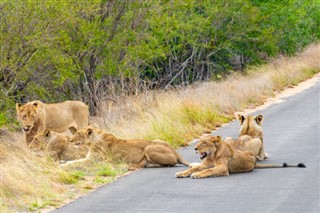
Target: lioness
(137, 153)
(57, 145)
(220, 159)
(250, 136)
(36, 116)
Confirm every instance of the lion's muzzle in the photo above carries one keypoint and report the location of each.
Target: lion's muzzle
(27, 129)
(203, 155)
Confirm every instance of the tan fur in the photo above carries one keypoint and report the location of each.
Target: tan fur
(36, 116)
(137, 153)
(221, 159)
(250, 136)
(56, 145)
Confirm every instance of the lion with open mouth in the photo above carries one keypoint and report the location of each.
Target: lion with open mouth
(220, 159)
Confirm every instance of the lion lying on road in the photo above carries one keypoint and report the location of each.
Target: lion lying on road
(57, 145)
(36, 116)
(220, 159)
(137, 153)
(250, 136)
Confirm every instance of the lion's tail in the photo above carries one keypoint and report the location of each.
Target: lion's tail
(182, 160)
(284, 165)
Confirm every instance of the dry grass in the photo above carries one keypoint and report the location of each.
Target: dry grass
(179, 115)
(29, 182)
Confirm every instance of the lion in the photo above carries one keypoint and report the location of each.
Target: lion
(57, 146)
(221, 159)
(250, 136)
(36, 116)
(136, 153)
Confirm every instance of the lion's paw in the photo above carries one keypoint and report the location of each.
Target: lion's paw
(259, 158)
(181, 175)
(196, 176)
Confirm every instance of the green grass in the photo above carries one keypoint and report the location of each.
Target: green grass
(207, 116)
(39, 204)
(186, 122)
(107, 171)
(71, 177)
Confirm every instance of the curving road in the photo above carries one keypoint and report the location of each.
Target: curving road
(291, 134)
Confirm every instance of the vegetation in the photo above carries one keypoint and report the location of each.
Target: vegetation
(30, 182)
(97, 50)
(132, 62)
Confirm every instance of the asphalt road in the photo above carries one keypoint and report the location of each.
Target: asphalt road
(291, 134)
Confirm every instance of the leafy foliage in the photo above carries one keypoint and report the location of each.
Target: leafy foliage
(96, 50)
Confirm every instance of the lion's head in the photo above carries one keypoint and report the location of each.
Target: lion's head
(83, 136)
(251, 125)
(40, 141)
(207, 146)
(28, 115)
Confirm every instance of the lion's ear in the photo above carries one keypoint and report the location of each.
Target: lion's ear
(35, 105)
(19, 107)
(240, 118)
(219, 137)
(259, 119)
(47, 132)
(73, 130)
(89, 131)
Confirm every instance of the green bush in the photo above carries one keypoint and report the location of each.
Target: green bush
(97, 49)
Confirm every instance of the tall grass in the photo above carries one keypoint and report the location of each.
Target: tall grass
(29, 182)
(179, 115)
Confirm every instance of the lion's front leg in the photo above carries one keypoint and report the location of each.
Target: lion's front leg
(189, 171)
(191, 165)
(220, 170)
(262, 155)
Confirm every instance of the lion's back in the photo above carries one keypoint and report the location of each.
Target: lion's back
(61, 116)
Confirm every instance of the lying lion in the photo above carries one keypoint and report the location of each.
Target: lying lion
(56, 145)
(36, 116)
(220, 159)
(250, 136)
(137, 153)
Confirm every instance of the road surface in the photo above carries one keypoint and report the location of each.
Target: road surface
(291, 134)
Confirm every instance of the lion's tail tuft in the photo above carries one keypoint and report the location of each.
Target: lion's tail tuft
(301, 165)
(284, 165)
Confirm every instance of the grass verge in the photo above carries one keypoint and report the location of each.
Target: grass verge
(31, 183)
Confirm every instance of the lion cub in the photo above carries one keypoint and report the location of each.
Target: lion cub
(220, 159)
(250, 136)
(136, 153)
(57, 145)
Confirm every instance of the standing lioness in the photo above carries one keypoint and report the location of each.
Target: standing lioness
(137, 153)
(36, 116)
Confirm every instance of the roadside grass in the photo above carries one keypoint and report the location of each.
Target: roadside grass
(179, 115)
(32, 183)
